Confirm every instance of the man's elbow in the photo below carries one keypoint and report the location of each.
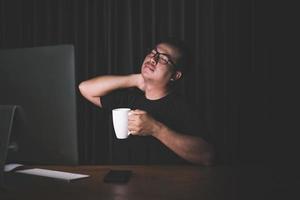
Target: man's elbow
(86, 93)
(205, 159)
(208, 159)
(83, 88)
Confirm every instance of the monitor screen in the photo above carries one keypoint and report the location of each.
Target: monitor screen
(40, 81)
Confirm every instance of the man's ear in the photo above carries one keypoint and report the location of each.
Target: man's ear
(177, 75)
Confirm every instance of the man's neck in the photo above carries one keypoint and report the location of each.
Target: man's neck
(154, 92)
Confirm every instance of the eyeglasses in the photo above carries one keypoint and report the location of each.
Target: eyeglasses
(161, 57)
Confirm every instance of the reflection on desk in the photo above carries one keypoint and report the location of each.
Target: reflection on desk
(157, 182)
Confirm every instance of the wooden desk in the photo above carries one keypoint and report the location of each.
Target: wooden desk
(159, 182)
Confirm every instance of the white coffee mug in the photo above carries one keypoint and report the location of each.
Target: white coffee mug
(120, 122)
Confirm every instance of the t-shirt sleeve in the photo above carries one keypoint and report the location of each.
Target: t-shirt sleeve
(117, 99)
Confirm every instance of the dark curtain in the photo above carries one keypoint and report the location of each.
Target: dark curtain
(229, 77)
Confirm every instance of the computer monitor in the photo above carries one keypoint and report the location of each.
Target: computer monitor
(40, 81)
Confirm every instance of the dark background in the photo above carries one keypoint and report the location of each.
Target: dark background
(236, 81)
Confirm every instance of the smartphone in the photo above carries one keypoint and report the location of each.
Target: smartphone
(117, 176)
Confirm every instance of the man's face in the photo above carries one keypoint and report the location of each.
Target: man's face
(158, 65)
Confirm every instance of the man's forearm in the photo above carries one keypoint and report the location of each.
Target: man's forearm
(190, 148)
(102, 85)
(99, 86)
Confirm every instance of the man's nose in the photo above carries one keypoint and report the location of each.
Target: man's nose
(154, 60)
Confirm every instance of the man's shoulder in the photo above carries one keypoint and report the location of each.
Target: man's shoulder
(120, 98)
(179, 99)
(127, 92)
(134, 91)
(182, 105)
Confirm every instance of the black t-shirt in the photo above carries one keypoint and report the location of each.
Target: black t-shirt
(170, 110)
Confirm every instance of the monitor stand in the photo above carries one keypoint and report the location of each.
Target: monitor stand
(7, 113)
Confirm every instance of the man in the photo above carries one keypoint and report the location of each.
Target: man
(163, 129)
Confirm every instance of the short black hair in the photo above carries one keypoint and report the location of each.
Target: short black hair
(182, 47)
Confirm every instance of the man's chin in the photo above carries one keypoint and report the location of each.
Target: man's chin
(146, 74)
(147, 70)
